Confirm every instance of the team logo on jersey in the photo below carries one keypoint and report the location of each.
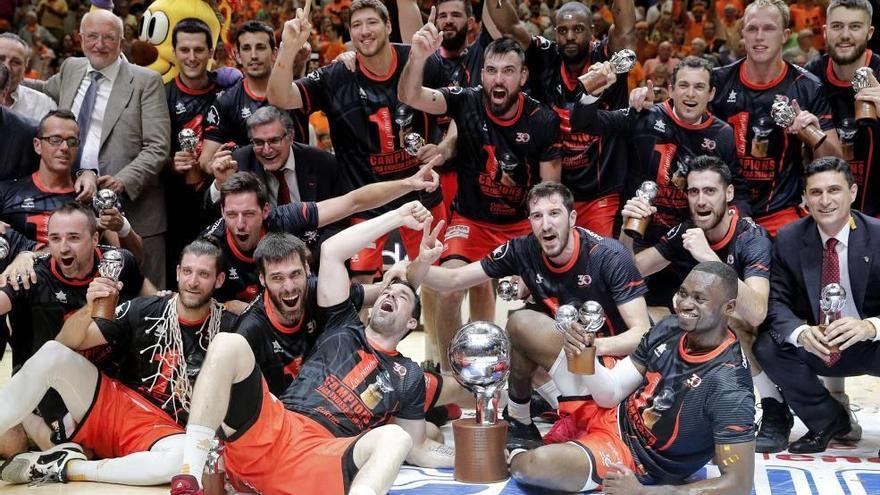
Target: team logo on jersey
(731, 98)
(276, 347)
(455, 89)
(180, 108)
(660, 349)
(694, 381)
(362, 93)
(539, 279)
(458, 231)
(708, 144)
(782, 98)
(500, 251)
(314, 75)
(584, 280)
(233, 273)
(246, 112)
(61, 296)
(729, 259)
(400, 369)
(523, 137)
(213, 117)
(27, 203)
(543, 43)
(659, 126)
(122, 309)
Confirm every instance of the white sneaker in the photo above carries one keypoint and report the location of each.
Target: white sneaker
(41, 467)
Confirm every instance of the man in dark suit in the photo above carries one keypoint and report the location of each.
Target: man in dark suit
(835, 244)
(18, 132)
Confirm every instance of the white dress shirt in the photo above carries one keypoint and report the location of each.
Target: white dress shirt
(92, 146)
(31, 103)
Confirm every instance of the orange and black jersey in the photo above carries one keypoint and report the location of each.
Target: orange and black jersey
(592, 165)
(349, 385)
(242, 280)
(26, 204)
(279, 350)
(745, 247)
(601, 270)
(771, 160)
(686, 405)
(368, 125)
(659, 143)
(140, 335)
(188, 108)
(498, 161)
(858, 142)
(39, 313)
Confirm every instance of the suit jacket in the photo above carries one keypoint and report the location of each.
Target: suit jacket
(17, 133)
(134, 136)
(796, 273)
(317, 173)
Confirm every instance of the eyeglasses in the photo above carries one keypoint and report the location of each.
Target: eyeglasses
(72, 142)
(275, 141)
(106, 37)
(577, 29)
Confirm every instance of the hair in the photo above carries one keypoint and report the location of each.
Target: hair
(829, 164)
(376, 5)
(16, 38)
(692, 63)
(74, 207)
(576, 8)
(255, 27)
(205, 246)
(58, 114)
(267, 115)
(709, 163)
(192, 25)
(779, 5)
(727, 275)
(468, 8)
(5, 77)
(244, 182)
(417, 301)
(503, 46)
(120, 28)
(863, 5)
(549, 188)
(279, 246)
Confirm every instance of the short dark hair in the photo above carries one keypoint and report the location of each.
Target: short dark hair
(376, 5)
(255, 27)
(57, 114)
(829, 164)
(244, 182)
(192, 25)
(205, 246)
(267, 115)
(692, 63)
(77, 207)
(417, 306)
(279, 246)
(864, 5)
(468, 8)
(549, 188)
(576, 7)
(710, 163)
(503, 46)
(727, 275)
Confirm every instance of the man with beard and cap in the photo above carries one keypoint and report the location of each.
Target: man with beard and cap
(133, 422)
(507, 143)
(593, 167)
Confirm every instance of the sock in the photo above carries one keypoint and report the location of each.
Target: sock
(766, 388)
(195, 451)
(519, 411)
(550, 393)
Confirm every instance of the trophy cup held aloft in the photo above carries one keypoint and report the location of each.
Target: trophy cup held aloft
(622, 62)
(412, 143)
(479, 355)
(104, 199)
(110, 267)
(866, 113)
(784, 116)
(636, 227)
(831, 302)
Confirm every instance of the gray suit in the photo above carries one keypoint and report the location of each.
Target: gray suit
(134, 145)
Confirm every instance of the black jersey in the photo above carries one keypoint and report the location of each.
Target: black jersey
(227, 117)
(745, 247)
(368, 125)
(771, 160)
(150, 358)
(498, 161)
(242, 280)
(188, 108)
(278, 349)
(39, 313)
(685, 405)
(26, 205)
(349, 385)
(601, 270)
(592, 165)
(659, 145)
(858, 142)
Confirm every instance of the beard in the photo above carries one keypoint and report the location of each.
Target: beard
(858, 52)
(500, 109)
(579, 56)
(456, 41)
(290, 316)
(191, 301)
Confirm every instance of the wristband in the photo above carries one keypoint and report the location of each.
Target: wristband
(126, 228)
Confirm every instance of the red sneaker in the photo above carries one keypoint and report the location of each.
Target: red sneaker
(453, 412)
(185, 484)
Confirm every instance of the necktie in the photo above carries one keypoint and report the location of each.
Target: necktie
(830, 275)
(86, 108)
(283, 188)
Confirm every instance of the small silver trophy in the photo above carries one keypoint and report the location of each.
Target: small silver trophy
(783, 114)
(508, 289)
(866, 112)
(621, 63)
(636, 227)
(104, 199)
(413, 142)
(565, 316)
(4, 248)
(214, 477)
(591, 316)
(831, 302)
(110, 267)
(188, 140)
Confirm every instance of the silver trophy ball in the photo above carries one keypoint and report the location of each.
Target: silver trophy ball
(479, 355)
(862, 78)
(623, 61)
(188, 140)
(648, 191)
(111, 265)
(831, 301)
(4, 248)
(565, 316)
(591, 316)
(104, 199)
(508, 289)
(413, 142)
(782, 113)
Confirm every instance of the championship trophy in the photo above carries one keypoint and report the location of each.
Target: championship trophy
(479, 355)
(831, 302)
(104, 199)
(188, 140)
(508, 289)
(679, 177)
(866, 113)
(636, 227)
(214, 477)
(784, 115)
(592, 317)
(412, 143)
(4, 248)
(762, 130)
(846, 132)
(621, 62)
(110, 267)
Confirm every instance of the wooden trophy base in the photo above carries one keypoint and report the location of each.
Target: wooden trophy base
(592, 82)
(584, 363)
(214, 483)
(813, 136)
(105, 307)
(480, 455)
(636, 227)
(834, 357)
(866, 113)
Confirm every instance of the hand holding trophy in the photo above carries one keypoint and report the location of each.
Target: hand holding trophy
(636, 227)
(591, 317)
(783, 114)
(621, 62)
(866, 113)
(110, 267)
(831, 302)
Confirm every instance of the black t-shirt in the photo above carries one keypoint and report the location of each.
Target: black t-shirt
(188, 108)
(601, 270)
(18, 158)
(498, 161)
(242, 280)
(685, 405)
(592, 166)
(774, 180)
(348, 385)
(368, 125)
(227, 118)
(26, 205)
(279, 350)
(858, 141)
(150, 359)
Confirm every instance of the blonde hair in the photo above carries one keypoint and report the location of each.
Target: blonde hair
(779, 5)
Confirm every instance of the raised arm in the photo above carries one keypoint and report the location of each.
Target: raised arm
(409, 17)
(503, 15)
(410, 89)
(421, 272)
(282, 92)
(622, 33)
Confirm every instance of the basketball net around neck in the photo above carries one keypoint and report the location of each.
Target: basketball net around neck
(169, 353)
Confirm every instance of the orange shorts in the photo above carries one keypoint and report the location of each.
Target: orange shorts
(775, 221)
(471, 240)
(122, 422)
(449, 186)
(598, 215)
(601, 439)
(285, 453)
(369, 259)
